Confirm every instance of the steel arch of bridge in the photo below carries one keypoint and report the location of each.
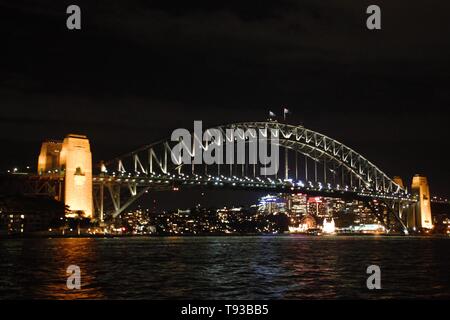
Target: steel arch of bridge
(150, 167)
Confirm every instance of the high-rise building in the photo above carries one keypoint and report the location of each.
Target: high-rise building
(272, 204)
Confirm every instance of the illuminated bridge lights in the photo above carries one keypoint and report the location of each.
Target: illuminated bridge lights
(322, 158)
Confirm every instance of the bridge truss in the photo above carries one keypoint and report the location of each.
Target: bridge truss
(310, 163)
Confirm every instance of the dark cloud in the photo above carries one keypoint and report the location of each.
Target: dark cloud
(137, 69)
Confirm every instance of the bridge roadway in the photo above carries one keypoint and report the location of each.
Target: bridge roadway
(138, 184)
(52, 185)
(175, 182)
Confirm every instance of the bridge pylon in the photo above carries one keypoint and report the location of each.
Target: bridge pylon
(71, 161)
(421, 216)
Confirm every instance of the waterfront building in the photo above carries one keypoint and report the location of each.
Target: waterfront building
(24, 214)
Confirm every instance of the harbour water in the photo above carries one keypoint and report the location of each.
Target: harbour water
(236, 267)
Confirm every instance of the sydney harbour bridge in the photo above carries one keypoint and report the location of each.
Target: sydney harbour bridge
(309, 162)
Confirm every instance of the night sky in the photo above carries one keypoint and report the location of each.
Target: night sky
(139, 69)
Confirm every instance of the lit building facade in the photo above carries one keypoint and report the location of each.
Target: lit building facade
(272, 204)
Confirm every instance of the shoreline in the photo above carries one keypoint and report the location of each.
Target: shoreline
(356, 235)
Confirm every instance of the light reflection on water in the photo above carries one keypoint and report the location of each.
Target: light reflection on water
(256, 267)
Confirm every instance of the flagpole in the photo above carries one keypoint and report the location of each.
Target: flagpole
(285, 111)
(286, 153)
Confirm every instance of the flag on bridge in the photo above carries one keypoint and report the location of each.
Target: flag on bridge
(285, 112)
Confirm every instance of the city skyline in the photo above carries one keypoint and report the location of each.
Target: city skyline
(309, 163)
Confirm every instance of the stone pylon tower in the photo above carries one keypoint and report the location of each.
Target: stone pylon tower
(76, 162)
(399, 181)
(49, 156)
(70, 160)
(423, 207)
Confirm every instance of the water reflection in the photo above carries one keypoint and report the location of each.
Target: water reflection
(270, 267)
(82, 253)
(37, 268)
